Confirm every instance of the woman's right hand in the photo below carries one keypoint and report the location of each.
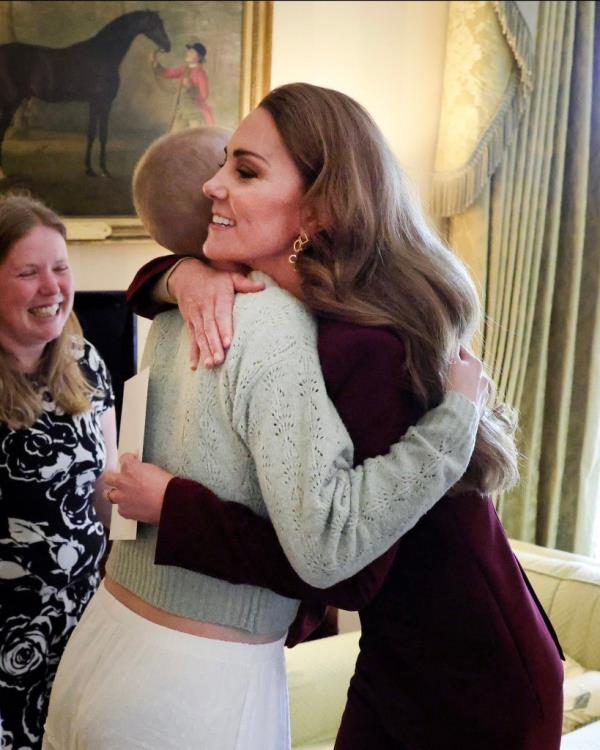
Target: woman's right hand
(467, 376)
(205, 297)
(138, 489)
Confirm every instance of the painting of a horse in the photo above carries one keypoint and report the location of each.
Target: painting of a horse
(84, 72)
(82, 93)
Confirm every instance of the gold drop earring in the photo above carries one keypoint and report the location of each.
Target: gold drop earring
(299, 243)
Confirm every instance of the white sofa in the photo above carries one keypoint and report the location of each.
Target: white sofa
(568, 587)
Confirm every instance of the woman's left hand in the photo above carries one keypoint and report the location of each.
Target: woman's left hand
(138, 489)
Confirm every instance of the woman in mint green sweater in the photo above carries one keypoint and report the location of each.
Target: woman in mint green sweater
(170, 658)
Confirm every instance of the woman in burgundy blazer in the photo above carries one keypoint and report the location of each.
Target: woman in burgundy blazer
(456, 652)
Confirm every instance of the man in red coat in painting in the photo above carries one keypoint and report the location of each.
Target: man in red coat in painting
(194, 80)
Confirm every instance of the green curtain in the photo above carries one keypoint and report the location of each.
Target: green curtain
(536, 227)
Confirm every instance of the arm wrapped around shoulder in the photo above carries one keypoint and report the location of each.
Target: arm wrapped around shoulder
(331, 519)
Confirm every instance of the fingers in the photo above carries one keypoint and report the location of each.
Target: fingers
(212, 334)
(482, 381)
(196, 341)
(113, 479)
(242, 283)
(110, 477)
(487, 389)
(224, 319)
(209, 329)
(109, 494)
(466, 375)
(204, 351)
(194, 349)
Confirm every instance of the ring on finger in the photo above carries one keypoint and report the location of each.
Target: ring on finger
(109, 492)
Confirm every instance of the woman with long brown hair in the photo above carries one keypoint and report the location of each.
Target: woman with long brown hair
(456, 651)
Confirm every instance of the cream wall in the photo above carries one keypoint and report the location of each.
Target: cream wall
(388, 55)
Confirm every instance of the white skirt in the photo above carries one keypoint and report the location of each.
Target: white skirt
(125, 683)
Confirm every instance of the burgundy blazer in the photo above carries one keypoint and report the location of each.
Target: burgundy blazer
(456, 652)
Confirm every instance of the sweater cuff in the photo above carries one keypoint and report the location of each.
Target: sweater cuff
(161, 292)
(463, 409)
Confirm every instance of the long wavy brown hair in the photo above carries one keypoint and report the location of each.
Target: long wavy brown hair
(376, 260)
(20, 399)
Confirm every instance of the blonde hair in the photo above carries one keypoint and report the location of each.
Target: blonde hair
(376, 261)
(58, 370)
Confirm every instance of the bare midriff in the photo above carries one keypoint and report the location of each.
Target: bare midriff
(183, 624)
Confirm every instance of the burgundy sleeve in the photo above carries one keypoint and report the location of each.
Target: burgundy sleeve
(139, 294)
(364, 371)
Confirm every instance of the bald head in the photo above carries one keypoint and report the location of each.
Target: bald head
(167, 187)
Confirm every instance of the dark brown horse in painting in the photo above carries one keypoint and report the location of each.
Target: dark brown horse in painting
(84, 72)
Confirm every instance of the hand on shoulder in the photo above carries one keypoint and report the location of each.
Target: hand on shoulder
(205, 297)
(467, 376)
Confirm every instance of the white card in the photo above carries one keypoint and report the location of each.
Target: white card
(131, 440)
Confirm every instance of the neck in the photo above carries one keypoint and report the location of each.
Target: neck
(26, 358)
(294, 285)
(116, 38)
(284, 273)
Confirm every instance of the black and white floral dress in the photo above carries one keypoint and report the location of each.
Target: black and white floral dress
(51, 543)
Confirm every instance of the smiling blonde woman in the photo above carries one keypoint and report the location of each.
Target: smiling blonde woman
(57, 432)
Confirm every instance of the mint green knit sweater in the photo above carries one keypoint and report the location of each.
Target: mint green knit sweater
(261, 430)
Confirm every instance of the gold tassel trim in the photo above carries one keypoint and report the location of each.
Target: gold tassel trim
(453, 192)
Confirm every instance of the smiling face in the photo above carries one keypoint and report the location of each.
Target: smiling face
(36, 294)
(256, 201)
